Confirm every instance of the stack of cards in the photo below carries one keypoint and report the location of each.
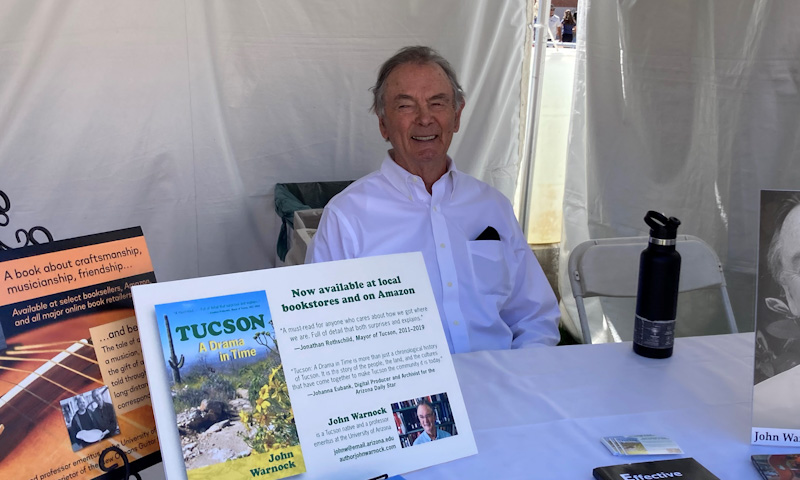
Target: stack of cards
(641, 445)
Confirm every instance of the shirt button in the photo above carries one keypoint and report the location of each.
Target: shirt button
(441, 245)
(435, 209)
(414, 179)
(455, 323)
(449, 284)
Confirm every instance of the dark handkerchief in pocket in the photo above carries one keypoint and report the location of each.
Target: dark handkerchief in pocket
(489, 234)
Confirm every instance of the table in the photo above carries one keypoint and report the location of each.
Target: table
(540, 413)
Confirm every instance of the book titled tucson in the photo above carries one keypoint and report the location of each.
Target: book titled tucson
(679, 468)
(228, 388)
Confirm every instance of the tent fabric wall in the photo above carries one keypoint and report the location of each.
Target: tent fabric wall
(690, 108)
(181, 116)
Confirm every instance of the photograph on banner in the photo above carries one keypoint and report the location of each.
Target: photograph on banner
(424, 419)
(72, 377)
(85, 425)
(776, 411)
(356, 339)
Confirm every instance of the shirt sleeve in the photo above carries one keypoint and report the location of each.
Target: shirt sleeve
(532, 310)
(333, 240)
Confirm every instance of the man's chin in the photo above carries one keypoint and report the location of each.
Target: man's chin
(429, 157)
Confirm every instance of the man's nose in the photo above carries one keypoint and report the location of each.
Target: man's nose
(424, 116)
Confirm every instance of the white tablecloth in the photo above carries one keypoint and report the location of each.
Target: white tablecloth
(540, 413)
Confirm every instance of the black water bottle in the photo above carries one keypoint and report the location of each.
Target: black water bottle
(657, 296)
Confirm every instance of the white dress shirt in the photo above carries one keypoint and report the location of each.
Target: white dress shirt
(552, 27)
(491, 294)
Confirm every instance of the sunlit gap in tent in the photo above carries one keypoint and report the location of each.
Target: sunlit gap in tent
(720, 206)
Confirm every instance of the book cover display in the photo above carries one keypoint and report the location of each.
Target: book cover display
(72, 377)
(363, 356)
(777, 467)
(688, 468)
(228, 387)
(776, 376)
(645, 444)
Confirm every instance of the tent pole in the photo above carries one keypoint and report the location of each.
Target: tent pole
(534, 107)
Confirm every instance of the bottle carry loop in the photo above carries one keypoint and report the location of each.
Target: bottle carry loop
(661, 226)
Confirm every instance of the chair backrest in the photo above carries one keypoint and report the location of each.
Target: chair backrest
(610, 267)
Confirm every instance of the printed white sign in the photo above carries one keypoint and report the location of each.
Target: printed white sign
(365, 360)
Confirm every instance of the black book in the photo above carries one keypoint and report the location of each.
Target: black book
(683, 468)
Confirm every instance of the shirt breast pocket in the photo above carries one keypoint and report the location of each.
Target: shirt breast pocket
(489, 268)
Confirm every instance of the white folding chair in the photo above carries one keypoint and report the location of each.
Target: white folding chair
(610, 268)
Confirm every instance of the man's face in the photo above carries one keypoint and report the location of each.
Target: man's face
(81, 404)
(552, 11)
(421, 116)
(790, 259)
(97, 398)
(427, 419)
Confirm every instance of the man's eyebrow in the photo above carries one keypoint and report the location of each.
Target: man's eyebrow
(403, 96)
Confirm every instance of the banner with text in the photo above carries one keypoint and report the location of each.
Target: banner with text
(364, 360)
(72, 378)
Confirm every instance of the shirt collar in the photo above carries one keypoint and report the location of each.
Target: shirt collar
(400, 178)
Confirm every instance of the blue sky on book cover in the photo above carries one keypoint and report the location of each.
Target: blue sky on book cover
(230, 330)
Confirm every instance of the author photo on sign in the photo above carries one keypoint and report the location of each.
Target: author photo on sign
(424, 419)
(88, 420)
(430, 428)
(777, 330)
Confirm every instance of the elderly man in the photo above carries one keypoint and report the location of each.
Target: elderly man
(81, 425)
(427, 419)
(784, 253)
(489, 288)
(777, 358)
(104, 414)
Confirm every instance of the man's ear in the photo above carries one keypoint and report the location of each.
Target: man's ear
(458, 116)
(384, 130)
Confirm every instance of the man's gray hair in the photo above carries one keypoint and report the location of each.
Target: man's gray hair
(426, 403)
(419, 55)
(774, 262)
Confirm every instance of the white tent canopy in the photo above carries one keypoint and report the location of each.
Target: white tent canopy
(182, 116)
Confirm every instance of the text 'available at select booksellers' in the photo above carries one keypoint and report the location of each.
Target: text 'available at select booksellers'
(72, 375)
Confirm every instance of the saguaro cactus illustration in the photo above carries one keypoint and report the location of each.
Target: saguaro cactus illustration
(173, 360)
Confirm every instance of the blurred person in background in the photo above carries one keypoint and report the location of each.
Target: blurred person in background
(568, 27)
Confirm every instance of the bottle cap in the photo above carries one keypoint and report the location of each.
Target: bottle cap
(661, 226)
